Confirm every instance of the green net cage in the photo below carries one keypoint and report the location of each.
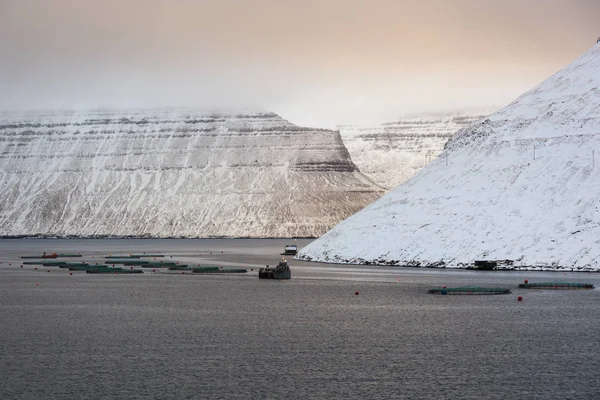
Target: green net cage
(468, 290)
(556, 285)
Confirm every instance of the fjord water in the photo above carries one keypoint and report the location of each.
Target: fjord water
(172, 336)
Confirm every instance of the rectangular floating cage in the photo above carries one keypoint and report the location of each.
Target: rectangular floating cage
(113, 271)
(204, 270)
(218, 270)
(469, 290)
(120, 257)
(178, 267)
(556, 285)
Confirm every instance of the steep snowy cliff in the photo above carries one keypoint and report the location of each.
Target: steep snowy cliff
(164, 173)
(524, 185)
(392, 152)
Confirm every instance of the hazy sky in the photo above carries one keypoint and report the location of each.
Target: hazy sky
(315, 62)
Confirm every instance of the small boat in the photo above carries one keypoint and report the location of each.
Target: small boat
(281, 271)
(290, 250)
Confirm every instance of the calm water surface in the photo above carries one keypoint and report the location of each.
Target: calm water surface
(172, 336)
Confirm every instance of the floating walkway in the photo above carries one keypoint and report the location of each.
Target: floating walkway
(469, 290)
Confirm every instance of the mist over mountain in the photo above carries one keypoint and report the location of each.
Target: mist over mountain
(173, 173)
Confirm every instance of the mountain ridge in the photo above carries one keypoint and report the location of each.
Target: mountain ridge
(173, 173)
(519, 186)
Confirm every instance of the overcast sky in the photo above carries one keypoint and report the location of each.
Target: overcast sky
(318, 62)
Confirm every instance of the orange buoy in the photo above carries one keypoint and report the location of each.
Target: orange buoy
(520, 298)
(356, 293)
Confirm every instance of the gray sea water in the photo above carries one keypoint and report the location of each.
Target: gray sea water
(173, 336)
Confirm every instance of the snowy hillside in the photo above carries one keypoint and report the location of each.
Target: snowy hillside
(165, 173)
(392, 152)
(523, 186)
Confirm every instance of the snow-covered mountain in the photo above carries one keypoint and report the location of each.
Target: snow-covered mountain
(392, 152)
(522, 186)
(165, 173)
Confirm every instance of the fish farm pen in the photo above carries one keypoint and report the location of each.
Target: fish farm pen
(556, 286)
(136, 256)
(469, 290)
(218, 270)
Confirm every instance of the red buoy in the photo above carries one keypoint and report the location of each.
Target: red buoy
(356, 293)
(182, 273)
(37, 284)
(21, 266)
(520, 298)
(35, 268)
(48, 271)
(153, 270)
(251, 269)
(526, 281)
(70, 273)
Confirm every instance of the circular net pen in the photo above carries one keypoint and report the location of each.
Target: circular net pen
(556, 286)
(469, 290)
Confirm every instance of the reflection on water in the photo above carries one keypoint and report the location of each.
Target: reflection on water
(160, 335)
